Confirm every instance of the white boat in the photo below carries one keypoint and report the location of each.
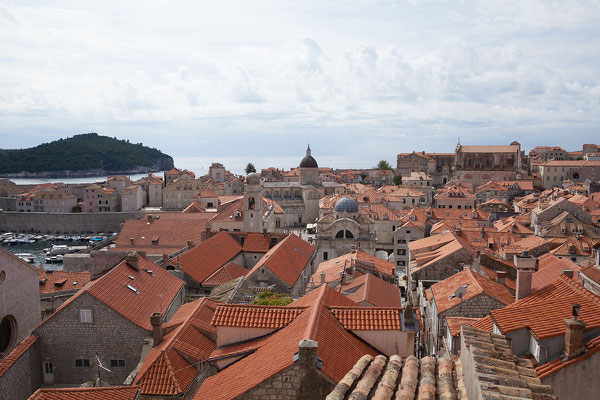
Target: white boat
(27, 257)
(58, 249)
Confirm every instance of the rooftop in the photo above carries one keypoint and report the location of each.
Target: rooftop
(89, 393)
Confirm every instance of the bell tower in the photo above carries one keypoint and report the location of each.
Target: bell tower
(253, 209)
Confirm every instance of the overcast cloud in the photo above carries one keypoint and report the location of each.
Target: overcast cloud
(361, 80)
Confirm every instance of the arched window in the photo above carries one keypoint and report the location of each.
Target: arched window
(349, 235)
(251, 203)
(8, 331)
(339, 235)
(576, 175)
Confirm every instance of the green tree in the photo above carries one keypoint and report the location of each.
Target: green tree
(250, 168)
(76, 209)
(383, 165)
(272, 299)
(398, 180)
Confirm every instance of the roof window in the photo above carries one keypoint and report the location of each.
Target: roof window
(133, 289)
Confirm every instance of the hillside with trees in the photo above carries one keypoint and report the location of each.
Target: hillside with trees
(88, 154)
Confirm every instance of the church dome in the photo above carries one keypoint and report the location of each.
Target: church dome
(253, 179)
(308, 161)
(346, 204)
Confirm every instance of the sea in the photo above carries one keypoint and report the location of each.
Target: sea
(37, 250)
(236, 165)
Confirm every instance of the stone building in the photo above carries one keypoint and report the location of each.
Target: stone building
(438, 166)
(299, 351)
(286, 268)
(178, 194)
(133, 198)
(108, 319)
(343, 230)
(554, 173)
(301, 198)
(481, 164)
(19, 300)
(456, 197)
(20, 372)
(97, 198)
(465, 294)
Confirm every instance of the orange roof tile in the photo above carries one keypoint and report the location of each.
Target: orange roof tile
(484, 323)
(257, 243)
(206, 193)
(550, 268)
(9, 359)
(112, 290)
(443, 291)
(332, 267)
(203, 260)
(592, 272)
(60, 280)
(170, 367)
(286, 259)
(194, 207)
(89, 393)
(370, 289)
(454, 323)
(369, 318)
(173, 231)
(543, 312)
(278, 350)
(226, 273)
(255, 316)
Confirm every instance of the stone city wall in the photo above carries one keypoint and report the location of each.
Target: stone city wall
(75, 223)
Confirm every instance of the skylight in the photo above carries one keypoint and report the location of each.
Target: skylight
(133, 289)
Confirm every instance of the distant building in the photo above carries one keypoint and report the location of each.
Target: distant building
(133, 198)
(554, 173)
(481, 164)
(438, 166)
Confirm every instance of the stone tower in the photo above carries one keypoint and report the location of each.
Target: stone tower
(253, 209)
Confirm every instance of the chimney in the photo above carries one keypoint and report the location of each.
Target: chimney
(568, 272)
(501, 277)
(526, 266)
(165, 258)
(574, 334)
(408, 312)
(307, 353)
(133, 260)
(157, 333)
(132, 241)
(190, 244)
(149, 218)
(474, 214)
(322, 278)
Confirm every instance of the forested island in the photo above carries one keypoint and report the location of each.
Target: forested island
(87, 154)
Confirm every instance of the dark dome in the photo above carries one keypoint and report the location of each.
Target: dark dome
(253, 178)
(346, 204)
(309, 162)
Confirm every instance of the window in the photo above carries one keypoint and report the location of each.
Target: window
(117, 363)
(408, 233)
(401, 241)
(401, 252)
(325, 256)
(85, 316)
(82, 362)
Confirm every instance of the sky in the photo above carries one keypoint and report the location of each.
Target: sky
(359, 80)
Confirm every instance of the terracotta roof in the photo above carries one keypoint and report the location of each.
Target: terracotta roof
(277, 351)
(9, 359)
(257, 243)
(370, 289)
(170, 367)
(194, 207)
(204, 259)
(592, 347)
(489, 149)
(61, 280)
(276, 207)
(228, 214)
(173, 231)
(359, 258)
(443, 291)
(550, 268)
(255, 316)
(112, 289)
(484, 323)
(592, 272)
(286, 259)
(369, 318)
(206, 193)
(543, 312)
(454, 324)
(576, 246)
(91, 393)
(226, 273)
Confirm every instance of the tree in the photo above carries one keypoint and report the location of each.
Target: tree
(272, 299)
(250, 168)
(383, 165)
(398, 180)
(76, 209)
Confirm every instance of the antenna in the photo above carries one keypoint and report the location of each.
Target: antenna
(100, 366)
